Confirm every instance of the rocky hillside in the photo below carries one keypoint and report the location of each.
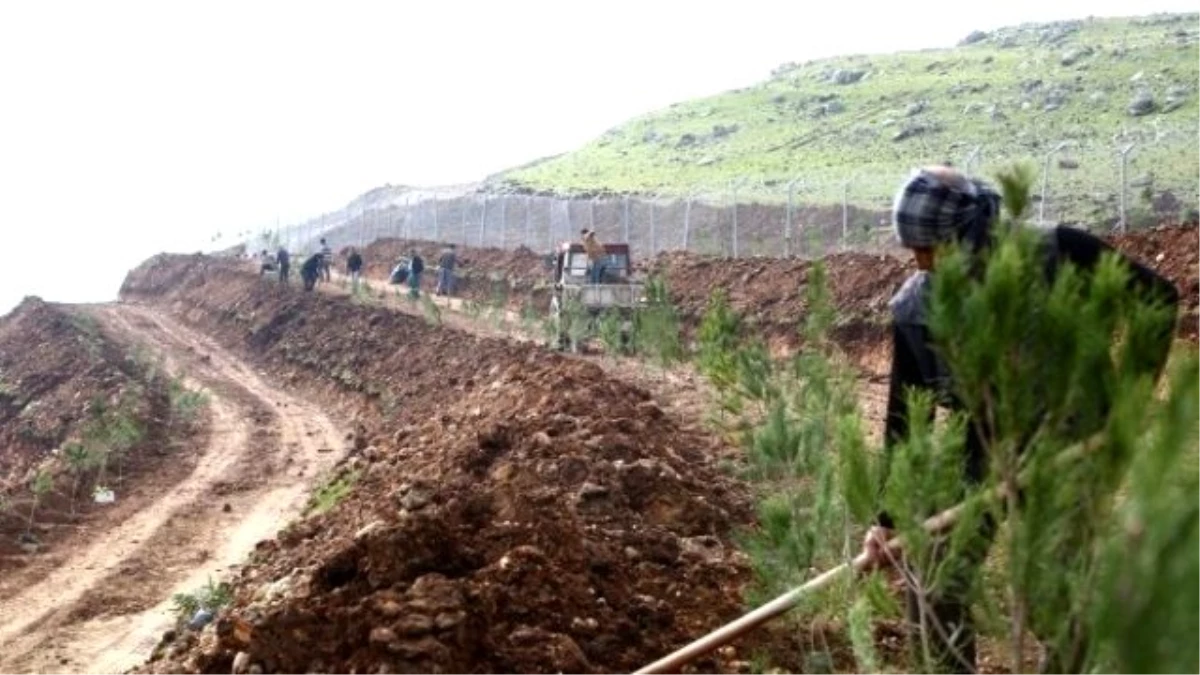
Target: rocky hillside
(1015, 93)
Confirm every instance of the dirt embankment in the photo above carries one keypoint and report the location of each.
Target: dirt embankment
(1173, 252)
(769, 291)
(79, 408)
(512, 510)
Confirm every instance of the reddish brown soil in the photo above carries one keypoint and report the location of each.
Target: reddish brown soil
(516, 510)
(1173, 252)
(58, 370)
(770, 292)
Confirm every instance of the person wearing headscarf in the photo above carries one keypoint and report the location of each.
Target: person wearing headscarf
(936, 209)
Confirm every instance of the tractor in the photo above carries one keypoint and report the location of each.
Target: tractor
(578, 304)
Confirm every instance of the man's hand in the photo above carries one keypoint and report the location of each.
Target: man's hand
(875, 548)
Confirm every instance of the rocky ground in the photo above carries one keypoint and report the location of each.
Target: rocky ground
(513, 509)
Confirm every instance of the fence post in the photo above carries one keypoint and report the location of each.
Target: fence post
(437, 228)
(569, 230)
(483, 220)
(592, 214)
(653, 229)
(462, 212)
(733, 187)
(550, 222)
(687, 222)
(407, 217)
(391, 228)
(527, 240)
(625, 219)
(1124, 223)
(503, 222)
(1046, 183)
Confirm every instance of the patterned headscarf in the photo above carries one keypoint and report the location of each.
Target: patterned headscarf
(930, 210)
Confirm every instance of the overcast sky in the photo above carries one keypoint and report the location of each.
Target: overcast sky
(131, 127)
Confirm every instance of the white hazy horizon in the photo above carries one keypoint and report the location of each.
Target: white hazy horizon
(128, 128)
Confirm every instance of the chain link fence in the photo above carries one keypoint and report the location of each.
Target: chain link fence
(746, 217)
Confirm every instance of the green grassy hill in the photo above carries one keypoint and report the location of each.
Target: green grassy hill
(1015, 93)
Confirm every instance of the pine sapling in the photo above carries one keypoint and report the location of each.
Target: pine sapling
(43, 482)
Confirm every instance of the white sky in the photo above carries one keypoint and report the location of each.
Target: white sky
(132, 127)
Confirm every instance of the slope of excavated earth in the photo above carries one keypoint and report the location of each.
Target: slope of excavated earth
(101, 601)
(511, 510)
(1173, 252)
(64, 380)
(770, 292)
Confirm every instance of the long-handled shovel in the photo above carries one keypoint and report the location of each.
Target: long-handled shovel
(729, 632)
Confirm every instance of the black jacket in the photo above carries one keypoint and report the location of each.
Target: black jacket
(354, 262)
(311, 267)
(915, 363)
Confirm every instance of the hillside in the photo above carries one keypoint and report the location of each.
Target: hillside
(1013, 93)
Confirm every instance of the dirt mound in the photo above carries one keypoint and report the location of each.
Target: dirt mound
(512, 510)
(1173, 252)
(770, 292)
(66, 386)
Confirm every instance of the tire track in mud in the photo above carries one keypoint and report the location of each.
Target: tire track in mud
(104, 608)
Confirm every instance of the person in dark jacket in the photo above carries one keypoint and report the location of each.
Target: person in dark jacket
(938, 206)
(284, 261)
(416, 266)
(354, 266)
(310, 271)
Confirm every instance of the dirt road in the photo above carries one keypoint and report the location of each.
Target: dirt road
(105, 607)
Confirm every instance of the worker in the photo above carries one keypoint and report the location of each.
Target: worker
(354, 265)
(283, 260)
(938, 206)
(446, 262)
(596, 253)
(310, 271)
(326, 260)
(416, 265)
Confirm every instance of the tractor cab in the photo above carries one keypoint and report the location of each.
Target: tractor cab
(570, 265)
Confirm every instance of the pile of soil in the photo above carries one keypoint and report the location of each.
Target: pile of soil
(770, 292)
(1173, 252)
(59, 372)
(512, 510)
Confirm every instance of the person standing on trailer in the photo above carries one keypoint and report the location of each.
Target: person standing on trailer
(597, 255)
